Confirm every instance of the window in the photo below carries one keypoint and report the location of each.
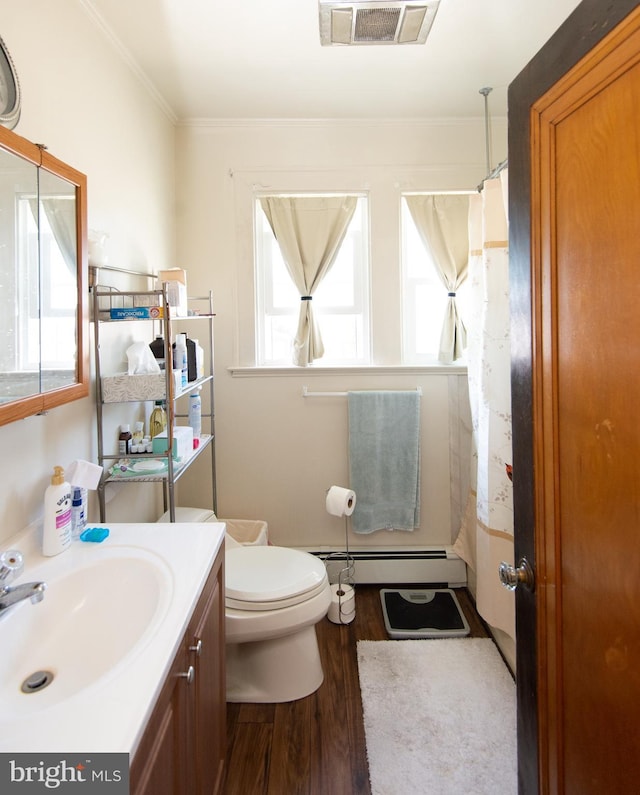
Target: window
(47, 295)
(340, 303)
(424, 296)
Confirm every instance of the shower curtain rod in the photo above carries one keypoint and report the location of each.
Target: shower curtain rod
(306, 393)
(493, 174)
(487, 141)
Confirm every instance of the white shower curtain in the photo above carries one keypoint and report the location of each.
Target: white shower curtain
(486, 535)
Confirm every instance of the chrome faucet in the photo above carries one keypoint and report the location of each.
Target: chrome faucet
(11, 566)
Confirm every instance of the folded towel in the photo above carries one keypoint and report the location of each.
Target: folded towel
(384, 460)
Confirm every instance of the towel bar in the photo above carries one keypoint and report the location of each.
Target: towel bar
(306, 393)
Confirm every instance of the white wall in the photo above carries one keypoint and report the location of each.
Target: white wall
(277, 453)
(83, 101)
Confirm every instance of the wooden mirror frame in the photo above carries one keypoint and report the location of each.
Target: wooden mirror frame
(43, 401)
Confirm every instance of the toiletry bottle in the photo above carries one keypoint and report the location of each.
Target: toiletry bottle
(158, 419)
(191, 359)
(199, 359)
(157, 349)
(124, 440)
(138, 433)
(180, 357)
(56, 532)
(78, 519)
(195, 416)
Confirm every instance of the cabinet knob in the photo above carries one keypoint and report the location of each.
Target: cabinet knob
(197, 647)
(189, 675)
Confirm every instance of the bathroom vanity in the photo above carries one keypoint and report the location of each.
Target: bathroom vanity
(132, 633)
(183, 747)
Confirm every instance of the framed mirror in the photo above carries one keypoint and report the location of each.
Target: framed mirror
(44, 352)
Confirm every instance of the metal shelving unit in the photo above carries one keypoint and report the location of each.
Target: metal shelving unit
(104, 300)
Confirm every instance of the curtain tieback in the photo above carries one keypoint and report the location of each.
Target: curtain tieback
(451, 295)
(306, 297)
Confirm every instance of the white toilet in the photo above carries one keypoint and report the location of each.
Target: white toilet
(274, 598)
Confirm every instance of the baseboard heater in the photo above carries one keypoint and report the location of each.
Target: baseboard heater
(433, 565)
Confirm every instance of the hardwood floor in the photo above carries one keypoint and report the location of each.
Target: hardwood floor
(316, 746)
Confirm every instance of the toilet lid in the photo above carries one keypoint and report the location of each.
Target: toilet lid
(263, 574)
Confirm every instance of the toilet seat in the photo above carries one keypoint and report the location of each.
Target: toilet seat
(271, 578)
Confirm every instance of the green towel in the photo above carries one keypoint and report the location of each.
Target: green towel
(384, 459)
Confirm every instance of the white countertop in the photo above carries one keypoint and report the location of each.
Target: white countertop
(109, 715)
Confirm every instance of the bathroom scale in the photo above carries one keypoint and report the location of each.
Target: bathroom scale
(422, 613)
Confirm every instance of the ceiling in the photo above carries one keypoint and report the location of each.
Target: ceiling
(262, 59)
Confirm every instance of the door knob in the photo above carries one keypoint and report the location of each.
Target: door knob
(511, 576)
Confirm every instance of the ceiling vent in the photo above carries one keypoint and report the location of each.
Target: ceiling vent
(376, 22)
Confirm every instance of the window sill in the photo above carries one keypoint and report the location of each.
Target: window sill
(313, 370)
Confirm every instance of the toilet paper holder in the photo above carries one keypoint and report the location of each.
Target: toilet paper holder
(346, 571)
(346, 568)
(343, 504)
(342, 609)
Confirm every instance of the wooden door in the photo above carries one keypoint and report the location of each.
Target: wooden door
(574, 156)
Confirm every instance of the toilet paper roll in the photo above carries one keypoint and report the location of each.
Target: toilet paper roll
(340, 501)
(342, 609)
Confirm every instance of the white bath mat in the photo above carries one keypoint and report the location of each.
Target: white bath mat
(439, 717)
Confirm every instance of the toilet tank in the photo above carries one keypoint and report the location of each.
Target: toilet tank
(246, 532)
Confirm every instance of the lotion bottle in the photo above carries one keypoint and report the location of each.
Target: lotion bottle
(56, 534)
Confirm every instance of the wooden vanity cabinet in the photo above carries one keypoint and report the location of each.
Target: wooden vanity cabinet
(183, 746)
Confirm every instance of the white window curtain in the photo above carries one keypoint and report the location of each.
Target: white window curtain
(309, 231)
(61, 214)
(442, 221)
(486, 535)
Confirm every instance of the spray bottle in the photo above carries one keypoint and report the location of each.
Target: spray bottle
(195, 416)
(78, 508)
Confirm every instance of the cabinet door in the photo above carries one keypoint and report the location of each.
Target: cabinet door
(157, 767)
(182, 751)
(209, 700)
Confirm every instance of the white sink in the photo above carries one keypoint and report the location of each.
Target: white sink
(111, 620)
(91, 621)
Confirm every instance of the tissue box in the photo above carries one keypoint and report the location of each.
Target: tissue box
(176, 279)
(122, 387)
(182, 442)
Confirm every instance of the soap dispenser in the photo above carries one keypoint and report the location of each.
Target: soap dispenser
(56, 533)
